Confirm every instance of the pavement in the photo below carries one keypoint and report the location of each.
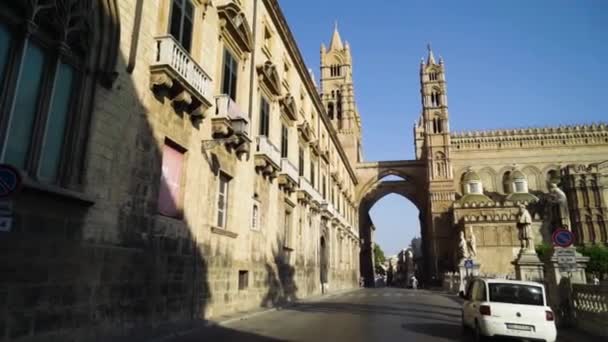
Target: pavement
(382, 314)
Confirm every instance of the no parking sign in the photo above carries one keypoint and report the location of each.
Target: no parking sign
(562, 238)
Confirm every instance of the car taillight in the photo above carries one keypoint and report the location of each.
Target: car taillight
(549, 315)
(485, 310)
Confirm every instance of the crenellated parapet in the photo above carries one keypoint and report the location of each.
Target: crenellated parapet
(531, 137)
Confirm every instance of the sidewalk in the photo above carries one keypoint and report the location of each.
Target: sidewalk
(573, 335)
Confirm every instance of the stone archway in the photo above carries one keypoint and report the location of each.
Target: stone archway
(373, 187)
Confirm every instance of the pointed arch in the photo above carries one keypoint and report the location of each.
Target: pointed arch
(532, 174)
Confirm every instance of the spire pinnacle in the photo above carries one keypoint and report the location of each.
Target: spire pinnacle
(336, 41)
(431, 57)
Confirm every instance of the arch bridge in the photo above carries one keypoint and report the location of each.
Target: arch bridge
(372, 187)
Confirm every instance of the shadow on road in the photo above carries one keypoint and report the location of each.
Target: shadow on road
(452, 315)
(219, 333)
(441, 330)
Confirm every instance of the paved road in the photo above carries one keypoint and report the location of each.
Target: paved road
(385, 314)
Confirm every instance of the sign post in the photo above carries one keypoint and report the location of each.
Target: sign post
(563, 250)
(468, 265)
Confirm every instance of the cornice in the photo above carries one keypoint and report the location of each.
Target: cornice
(534, 131)
(275, 12)
(532, 137)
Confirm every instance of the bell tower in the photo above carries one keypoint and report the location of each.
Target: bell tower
(433, 129)
(432, 139)
(337, 94)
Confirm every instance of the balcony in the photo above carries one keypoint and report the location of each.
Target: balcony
(230, 124)
(267, 157)
(305, 131)
(173, 73)
(328, 210)
(308, 193)
(288, 177)
(288, 107)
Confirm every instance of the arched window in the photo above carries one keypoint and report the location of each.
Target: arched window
(46, 92)
(441, 166)
(330, 110)
(506, 183)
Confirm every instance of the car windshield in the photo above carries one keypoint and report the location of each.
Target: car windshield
(516, 294)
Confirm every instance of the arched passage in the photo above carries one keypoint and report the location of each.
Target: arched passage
(378, 181)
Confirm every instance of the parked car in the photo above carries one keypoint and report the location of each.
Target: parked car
(509, 308)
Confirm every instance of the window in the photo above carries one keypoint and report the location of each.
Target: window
(301, 162)
(222, 200)
(287, 225)
(267, 40)
(169, 193)
(229, 77)
(284, 141)
(38, 112)
(312, 173)
(516, 294)
(324, 188)
(264, 117)
(254, 217)
(182, 14)
(334, 70)
(330, 110)
(243, 279)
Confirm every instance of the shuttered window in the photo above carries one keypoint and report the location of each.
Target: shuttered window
(169, 194)
(222, 200)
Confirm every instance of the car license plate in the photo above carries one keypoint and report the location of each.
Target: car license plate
(520, 327)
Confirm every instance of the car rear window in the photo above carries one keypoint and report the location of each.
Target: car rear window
(516, 294)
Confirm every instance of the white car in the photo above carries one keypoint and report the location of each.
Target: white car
(498, 307)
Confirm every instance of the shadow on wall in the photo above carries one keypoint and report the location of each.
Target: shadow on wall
(109, 267)
(280, 278)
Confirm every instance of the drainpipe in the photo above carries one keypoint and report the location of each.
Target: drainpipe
(252, 71)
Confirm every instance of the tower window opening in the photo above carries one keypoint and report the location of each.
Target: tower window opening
(330, 110)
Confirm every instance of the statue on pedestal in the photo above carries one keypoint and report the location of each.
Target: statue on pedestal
(524, 224)
(472, 244)
(558, 207)
(463, 251)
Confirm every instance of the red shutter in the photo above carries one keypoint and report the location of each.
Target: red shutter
(170, 180)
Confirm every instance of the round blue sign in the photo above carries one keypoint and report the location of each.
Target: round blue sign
(468, 263)
(563, 238)
(10, 180)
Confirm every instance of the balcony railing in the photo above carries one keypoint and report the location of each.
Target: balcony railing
(226, 108)
(312, 192)
(289, 170)
(267, 149)
(172, 56)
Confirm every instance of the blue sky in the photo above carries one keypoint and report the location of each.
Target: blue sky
(509, 64)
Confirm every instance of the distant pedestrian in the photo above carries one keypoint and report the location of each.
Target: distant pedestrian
(414, 282)
(596, 280)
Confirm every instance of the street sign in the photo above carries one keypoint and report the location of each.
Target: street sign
(10, 180)
(566, 259)
(563, 238)
(468, 264)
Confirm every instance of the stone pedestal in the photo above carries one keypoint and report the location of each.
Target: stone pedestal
(465, 274)
(558, 284)
(528, 266)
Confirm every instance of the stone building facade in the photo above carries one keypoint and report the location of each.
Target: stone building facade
(178, 164)
(473, 182)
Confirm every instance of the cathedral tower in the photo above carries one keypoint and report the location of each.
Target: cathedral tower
(337, 93)
(432, 134)
(433, 129)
